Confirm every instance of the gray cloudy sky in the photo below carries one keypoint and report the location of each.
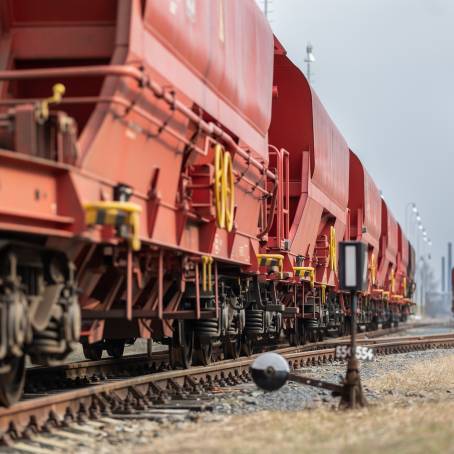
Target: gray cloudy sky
(385, 72)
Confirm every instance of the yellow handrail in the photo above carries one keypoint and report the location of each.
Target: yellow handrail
(323, 287)
(373, 269)
(207, 262)
(392, 280)
(332, 249)
(42, 110)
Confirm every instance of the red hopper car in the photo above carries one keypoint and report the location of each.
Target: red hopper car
(140, 197)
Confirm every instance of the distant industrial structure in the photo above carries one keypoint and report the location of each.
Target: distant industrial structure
(438, 303)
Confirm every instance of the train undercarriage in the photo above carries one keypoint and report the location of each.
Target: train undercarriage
(229, 311)
(238, 312)
(39, 310)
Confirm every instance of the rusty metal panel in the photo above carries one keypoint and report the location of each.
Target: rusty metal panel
(204, 35)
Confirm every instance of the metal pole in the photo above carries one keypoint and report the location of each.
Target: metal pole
(449, 286)
(443, 274)
(423, 288)
(353, 325)
(352, 395)
(421, 293)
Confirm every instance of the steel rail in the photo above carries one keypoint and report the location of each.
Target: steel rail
(58, 409)
(89, 371)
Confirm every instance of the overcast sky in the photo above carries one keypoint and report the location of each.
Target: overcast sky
(385, 71)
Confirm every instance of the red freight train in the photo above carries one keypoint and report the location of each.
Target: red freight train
(168, 172)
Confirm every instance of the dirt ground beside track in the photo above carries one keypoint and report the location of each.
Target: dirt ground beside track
(414, 414)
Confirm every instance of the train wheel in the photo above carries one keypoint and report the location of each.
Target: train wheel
(115, 347)
(303, 333)
(93, 351)
(247, 346)
(12, 382)
(374, 324)
(293, 338)
(313, 335)
(299, 335)
(204, 350)
(187, 349)
(341, 329)
(232, 347)
(348, 326)
(294, 334)
(181, 354)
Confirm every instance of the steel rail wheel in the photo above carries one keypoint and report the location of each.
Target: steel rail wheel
(181, 351)
(94, 351)
(12, 383)
(115, 347)
(232, 346)
(247, 346)
(203, 351)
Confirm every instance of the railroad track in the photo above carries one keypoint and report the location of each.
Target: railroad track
(86, 372)
(133, 395)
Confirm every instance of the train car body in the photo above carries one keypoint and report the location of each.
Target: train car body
(312, 207)
(318, 169)
(138, 136)
(403, 279)
(365, 213)
(388, 251)
(387, 263)
(411, 271)
(403, 259)
(140, 196)
(365, 224)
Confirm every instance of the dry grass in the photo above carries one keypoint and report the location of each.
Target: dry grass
(398, 424)
(386, 429)
(436, 375)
